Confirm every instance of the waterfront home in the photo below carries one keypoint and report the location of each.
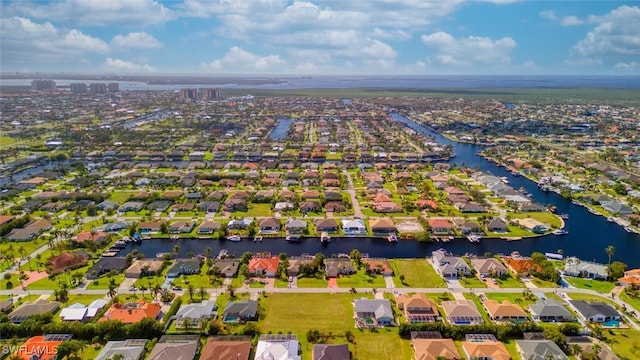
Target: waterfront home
(461, 312)
(106, 265)
(144, 267)
(219, 349)
(539, 350)
(354, 227)
(149, 227)
(409, 228)
(130, 313)
(280, 347)
(295, 226)
(269, 225)
(491, 349)
(597, 312)
(208, 227)
(585, 269)
(631, 277)
(181, 227)
(440, 226)
(616, 208)
(382, 226)
(434, 348)
(489, 267)
(449, 266)
(373, 313)
(522, 266)
(417, 308)
(497, 225)
(549, 310)
(330, 352)
(195, 314)
(240, 311)
(296, 262)
(228, 267)
(468, 227)
(505, 311)
(41, 347)
(175, 347)
(239, 223)
(532, 225)
(38, 307)
(184, 267)
(131, 349)
(267, 266)
(328, 225)
(337, 267)
(380, 266)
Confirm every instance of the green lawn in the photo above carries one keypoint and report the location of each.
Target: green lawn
(361, 280)
(83, 299)
(591, 297)
(417, 273)
(509, 282)
(514, 298)
(103, 282)
(597, 285)
(472, 282)
(45, 284)
(543, 283)
(543, 216)
(478, 303)
(120, 196)
(318, 282)
(625, 343)
(383, 344)
(635, 302)
(13, 282)
(6, 140)
(255, 210)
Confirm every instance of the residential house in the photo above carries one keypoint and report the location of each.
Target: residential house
(336, 267)
(240, 311)
(549, 310)
(149, 227)
(354, 227)
(597, 312)
(184, 267)
(532, 225)
(269, 225)
(505, 311)
(540, 350)
(194, 314)
(409, 228)
(330, 352)
(616, 208)
(131, 349)
(434, 349)
(208, 227)
(387, 207)
(417, 308)
(497, 225)
(96, 236)
(239, 223)
(80, 312)
(43, 347)
(380, 266)
(489, 267)
(181, 227)
(106, 265)
(144, 267)
(228, 267)
(295, 226)
(310, 206)
(373, 313)
(175, 347)
(631, 277)
(585, 269)
(440, 226)
(523, 266)
(382, 226)
(131, 206)
(130, 313)
(461, 312)
(31, 308)
(115, 226)
(587, 345)
(335, 206)
(209, 206)
(449, 266)
(267, 266)
(280, 347)
(219, 349)
(328, 225)
(67, 261)
(493, 350)
(295, 262)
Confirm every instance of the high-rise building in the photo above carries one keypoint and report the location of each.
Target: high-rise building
(189, 94)
(78, 88)
(210, 94)
(98, 88)
(43, 84)
(113, 87)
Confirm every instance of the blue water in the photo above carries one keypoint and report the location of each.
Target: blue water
(281, 129)
(612, 323)
(588, 236)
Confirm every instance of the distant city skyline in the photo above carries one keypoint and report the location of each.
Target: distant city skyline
(328, 37)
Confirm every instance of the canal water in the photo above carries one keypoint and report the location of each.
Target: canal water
(281, 129)
(588, 236)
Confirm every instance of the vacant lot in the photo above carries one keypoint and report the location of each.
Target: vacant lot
(417, 273)
(597, 285)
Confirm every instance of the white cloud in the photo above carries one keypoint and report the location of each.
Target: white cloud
(237, 60)
(25, 40)
(123, 65)
(95, 12)
(548, 14)
(617, 33)
(633, 65)
(571, 20)
(468, 51)
(393, 34)
(136, 40)
(583, 62)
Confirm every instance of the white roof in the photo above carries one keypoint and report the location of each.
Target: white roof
(70, 314)
(98, 304)
(277, 350)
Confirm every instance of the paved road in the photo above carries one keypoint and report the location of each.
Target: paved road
(352, 193)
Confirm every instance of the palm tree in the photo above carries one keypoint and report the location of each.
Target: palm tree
(610, 250)
(202, 292)
(191, 291)
(176, 250)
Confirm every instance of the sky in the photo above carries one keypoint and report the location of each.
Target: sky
(321, 37)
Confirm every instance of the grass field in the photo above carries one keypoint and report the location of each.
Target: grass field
(543, 283)
(255, 210)
(417, 273)
(597, 285)
(546, 217)
(361, 280)
(514, 298)
(103, 282)
(635, 302)
(472, 282)
(625, 343)
(509, 282)
(82, 299)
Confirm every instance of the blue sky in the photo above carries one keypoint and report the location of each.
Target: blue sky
(267, 37)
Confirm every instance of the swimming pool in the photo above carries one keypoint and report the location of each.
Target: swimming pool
(612, 323)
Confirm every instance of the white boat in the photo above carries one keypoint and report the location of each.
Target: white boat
(628, 229)
(175, 237)
(257, 239)
(474, 238)
(292, 238)
(324, 237)
(161, 255)
(610, 219)
(222, 254)
(563, 216)
(392, 237)
(560, 232)
(233, 238)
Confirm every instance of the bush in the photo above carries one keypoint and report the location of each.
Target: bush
(172, 310)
